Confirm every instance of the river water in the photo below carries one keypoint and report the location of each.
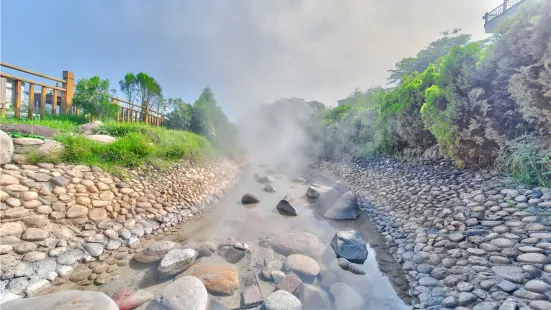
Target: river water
(382, 287)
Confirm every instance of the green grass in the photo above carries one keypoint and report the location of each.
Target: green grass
(527, 160)
(63, 123)
(136, 144)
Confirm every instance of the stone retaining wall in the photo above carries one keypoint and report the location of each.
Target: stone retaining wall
(467, 239)
(54, 217)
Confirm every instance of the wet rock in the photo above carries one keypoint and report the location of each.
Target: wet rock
(249, 198)
(282, 300)
(154, 252)
(218, 278)
(346, 265)
(65, 300)
(252, 297)
(290, 283)
(345, 208)
(298, 180)
(128, 299)
(314, 298)
(313, 193)
(185, 293)
(176, 261)
(350, 245)
(265, 179)
(233, 255)
(277, 276)
(286, 207)
(302, 265)
(346, 297)
(269, 188)
(298, 243)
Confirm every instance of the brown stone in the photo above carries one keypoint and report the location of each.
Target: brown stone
(7, 180)
(35, 234)
(11, 229)
(77, 211)
(97, 215)
(218, 278)
(290, 283)
(26, 196)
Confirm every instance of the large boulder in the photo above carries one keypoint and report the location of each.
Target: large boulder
(350, 245)
(176, 261)
(345, 208)
(154, 252)
(6, 148)
(89, 128)
(27, 141)
(51, 148)
(249, 198)
(285, 205)
(299, 242)
(65, 300)
(185, 293)
(30, 129)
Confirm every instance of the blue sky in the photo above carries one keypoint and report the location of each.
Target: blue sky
(248, 52)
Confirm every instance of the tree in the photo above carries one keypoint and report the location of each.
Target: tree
(93, 96)
(428, 55)
(142, 89)
(128, 86)
(181, 115)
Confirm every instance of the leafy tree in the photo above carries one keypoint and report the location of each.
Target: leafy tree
(181, 115)
(93, 96)
(128, 86)
(142, 89)
(428, 55)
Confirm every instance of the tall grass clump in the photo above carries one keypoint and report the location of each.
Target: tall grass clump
(528, 160)
(63, 123)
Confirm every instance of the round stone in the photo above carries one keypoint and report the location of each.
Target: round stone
(302, 265)
(282, 300)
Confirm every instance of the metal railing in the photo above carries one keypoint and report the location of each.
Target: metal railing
(128, 111)
(500, 10)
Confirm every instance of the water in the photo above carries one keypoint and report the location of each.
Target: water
(383, 286)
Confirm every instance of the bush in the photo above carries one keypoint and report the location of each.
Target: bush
(528, 160)
(92, 95)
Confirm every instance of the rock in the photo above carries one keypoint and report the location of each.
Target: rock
(185, 293)
(50, 148)
(512, 273)
(63, 270)
(176, 261)
(95, 249)
(450, 302)
(507, 286)
(346, 298)
(302, 265)
(290, 283)
(533, 258)
(282, 300)
(265, 179)
(466, 298)
(37, 285)
(298, 180)
(77, 211)
(27, 141)
(97, 215)
(314, 298)
(540, 305)
(30, 129)
(487, 305)
(65, 300)
(249, 198)
(35, 234)
(252, 297)
(537, 286)
(36, 221)
(89, 128)
(154, 252)
(11, 229)
(277, 276)
(128, 299)
(350, 245)
(218, 278)
(59, 181)
(6, 148)
(303, 243)
(313, 193)
(286, 207)
(6, 180)
(101, 138)
(346, 265)
(269, 188)
(233, 255)
(345, 208)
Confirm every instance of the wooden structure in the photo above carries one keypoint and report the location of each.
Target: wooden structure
(63, 97)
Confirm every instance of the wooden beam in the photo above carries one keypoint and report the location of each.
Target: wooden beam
(43, 102)
(67, 96)
(30, 111)
(17, 94)
(54, 102)
(3, 64)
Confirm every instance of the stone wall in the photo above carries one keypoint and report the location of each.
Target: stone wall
(466, 239)
(54, 217)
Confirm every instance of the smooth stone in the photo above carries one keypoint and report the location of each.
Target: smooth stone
(185, 293)
(345, 208)
(282, 300)
(346, 297)
(176, 261)
(65, 300)
(302, 265)
(350, 245)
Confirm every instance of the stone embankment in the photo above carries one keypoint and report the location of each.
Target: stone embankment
(78, 223)
(467, 239)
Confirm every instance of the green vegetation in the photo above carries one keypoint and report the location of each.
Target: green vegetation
(16, 134)
(471, 98)
(93, 97)
(63, 123)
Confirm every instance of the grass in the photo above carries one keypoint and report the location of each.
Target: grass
(527, 160)
(136, 144)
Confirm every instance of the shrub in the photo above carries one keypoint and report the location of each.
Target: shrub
(92, 95)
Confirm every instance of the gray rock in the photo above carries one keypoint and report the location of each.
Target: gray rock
(95, 249)
(65, 300)
(428, 281)
(487, 305)
(512, 273)
(537, 286)
(313, 193)
(59, 181)
(176, 261)
(185, 293)
(350, 245)
(346, 297)
(36, 285)
(154, 252)
(6, 148)
(18, 285)
(522, 293)
(465, 298)
(507, 286)
(286, 207)
(345, 208)
(533, 258)
(450, 302)
(249, 198)
(269, 188)
(282, 300)
(346, 265)
(313, 297)
(44, 267)
(540, 305)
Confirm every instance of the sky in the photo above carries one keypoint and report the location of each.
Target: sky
(248, 52)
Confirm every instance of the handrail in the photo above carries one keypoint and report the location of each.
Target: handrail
(133, 104)
(500, 10)
(13, 77)
(3, 64)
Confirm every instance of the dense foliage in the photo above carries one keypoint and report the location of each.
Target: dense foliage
(473, 99)
(93, 97)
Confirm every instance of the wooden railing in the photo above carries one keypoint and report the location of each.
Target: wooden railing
(500, 10)
(63, 96)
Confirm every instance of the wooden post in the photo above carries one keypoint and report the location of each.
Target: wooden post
(54, 102)
(67, 96)
(30, 111)
(504, 6)
(42, 102)
(17, 94)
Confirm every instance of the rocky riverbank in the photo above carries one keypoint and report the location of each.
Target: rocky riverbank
(468, 239)
(62, 222)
